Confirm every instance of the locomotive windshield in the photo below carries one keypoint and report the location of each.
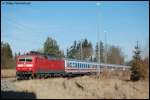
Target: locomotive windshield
(25, 59)
(21, 59)
(28, 60)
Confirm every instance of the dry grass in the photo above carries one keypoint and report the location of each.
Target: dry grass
(8, 73)
(86, 87)
(111, 74)
(110, 85)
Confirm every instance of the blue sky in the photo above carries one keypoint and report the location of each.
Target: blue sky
(26, 26)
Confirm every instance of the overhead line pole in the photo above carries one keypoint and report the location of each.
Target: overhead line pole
(105, 47)
(98, 35)
(98, 32)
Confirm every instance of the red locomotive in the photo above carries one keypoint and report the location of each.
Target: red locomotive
(35, 65)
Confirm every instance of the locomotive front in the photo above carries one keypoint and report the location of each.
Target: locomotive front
(24, 66)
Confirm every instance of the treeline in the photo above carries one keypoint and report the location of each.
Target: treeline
(7, 59)
(83, 50)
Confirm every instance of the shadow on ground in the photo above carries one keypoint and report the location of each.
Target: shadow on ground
(17, 95)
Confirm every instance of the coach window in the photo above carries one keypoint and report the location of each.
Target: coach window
(79, 65)
(75, 64)
(70, 64)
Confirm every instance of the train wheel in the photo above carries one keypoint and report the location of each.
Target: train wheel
(34, 75)
(18, 78)
(31, 77)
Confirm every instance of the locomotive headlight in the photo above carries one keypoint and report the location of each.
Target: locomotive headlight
(29, 65)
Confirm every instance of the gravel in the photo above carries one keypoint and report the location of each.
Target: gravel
(7, 85)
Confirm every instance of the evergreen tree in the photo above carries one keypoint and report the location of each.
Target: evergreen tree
(101, 52)
(67, 53)
(96, 52)
(51, 48)
(70, 51)
(135, 69)
(101, 46)
(74, 52)
(7, 60)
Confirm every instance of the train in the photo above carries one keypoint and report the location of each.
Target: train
(36, 65)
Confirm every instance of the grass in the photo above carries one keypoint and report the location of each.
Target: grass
(6, 73)
(110, 85)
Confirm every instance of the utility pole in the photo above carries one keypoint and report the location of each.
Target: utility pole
(105, 47)
(81, 49)
(98, 42)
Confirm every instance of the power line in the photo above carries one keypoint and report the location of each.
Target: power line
(27, 28)
(21, 27)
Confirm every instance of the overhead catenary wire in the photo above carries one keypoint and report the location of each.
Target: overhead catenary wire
(22, 28)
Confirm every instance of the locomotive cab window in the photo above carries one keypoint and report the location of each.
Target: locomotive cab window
(22, 59)
(25, 59)
(28, 60)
